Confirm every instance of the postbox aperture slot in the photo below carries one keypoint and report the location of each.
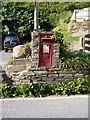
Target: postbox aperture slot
(46, 39)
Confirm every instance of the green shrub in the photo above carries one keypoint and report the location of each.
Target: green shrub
(75, 61)
(9, 91)
(78, 86)
(35, 90)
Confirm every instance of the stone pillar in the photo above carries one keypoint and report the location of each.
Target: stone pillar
(56, 56)
(35, 51)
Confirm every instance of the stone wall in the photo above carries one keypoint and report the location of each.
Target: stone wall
(79, 26)
(42, 75)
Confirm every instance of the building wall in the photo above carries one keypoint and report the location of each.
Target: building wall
(81, 15)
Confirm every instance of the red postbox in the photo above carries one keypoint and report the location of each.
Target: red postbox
(45, 50)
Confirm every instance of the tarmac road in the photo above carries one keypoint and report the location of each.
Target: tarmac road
(49, 107)
(4, 57)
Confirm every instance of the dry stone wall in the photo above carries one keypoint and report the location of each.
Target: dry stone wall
(79, 26)
(42, 75)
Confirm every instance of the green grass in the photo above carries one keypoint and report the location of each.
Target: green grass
(69, 38)
(64, 29)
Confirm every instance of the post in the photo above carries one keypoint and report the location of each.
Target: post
(36, 15)
(84, 44)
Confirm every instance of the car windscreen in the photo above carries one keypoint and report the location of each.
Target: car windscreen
(9, 38)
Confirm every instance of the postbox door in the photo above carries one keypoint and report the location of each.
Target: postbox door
(45, 54)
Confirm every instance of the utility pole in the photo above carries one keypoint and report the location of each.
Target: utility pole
(36, 15)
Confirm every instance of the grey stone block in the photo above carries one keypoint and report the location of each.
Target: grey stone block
(59, 80)
(41, 75)
(53, 75)
(68, 75)
(33, 78)
(40, 72)
(17, 68)
(48, 78)
(1, 78)
(79, 75)
(52, 82)
(22, 61)
(68, 80)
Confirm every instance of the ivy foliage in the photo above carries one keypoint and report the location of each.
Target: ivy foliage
(78, 86)
(59, 38)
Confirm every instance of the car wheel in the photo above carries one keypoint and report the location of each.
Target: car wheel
(6, 50)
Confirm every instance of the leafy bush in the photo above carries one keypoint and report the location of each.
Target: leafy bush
(78, 86)
(35, 90)
(75, 61)
(9, 91)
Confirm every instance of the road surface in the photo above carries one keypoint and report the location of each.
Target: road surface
(4, 57)
(49, 107)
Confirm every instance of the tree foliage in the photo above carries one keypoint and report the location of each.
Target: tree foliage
(19, 16)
